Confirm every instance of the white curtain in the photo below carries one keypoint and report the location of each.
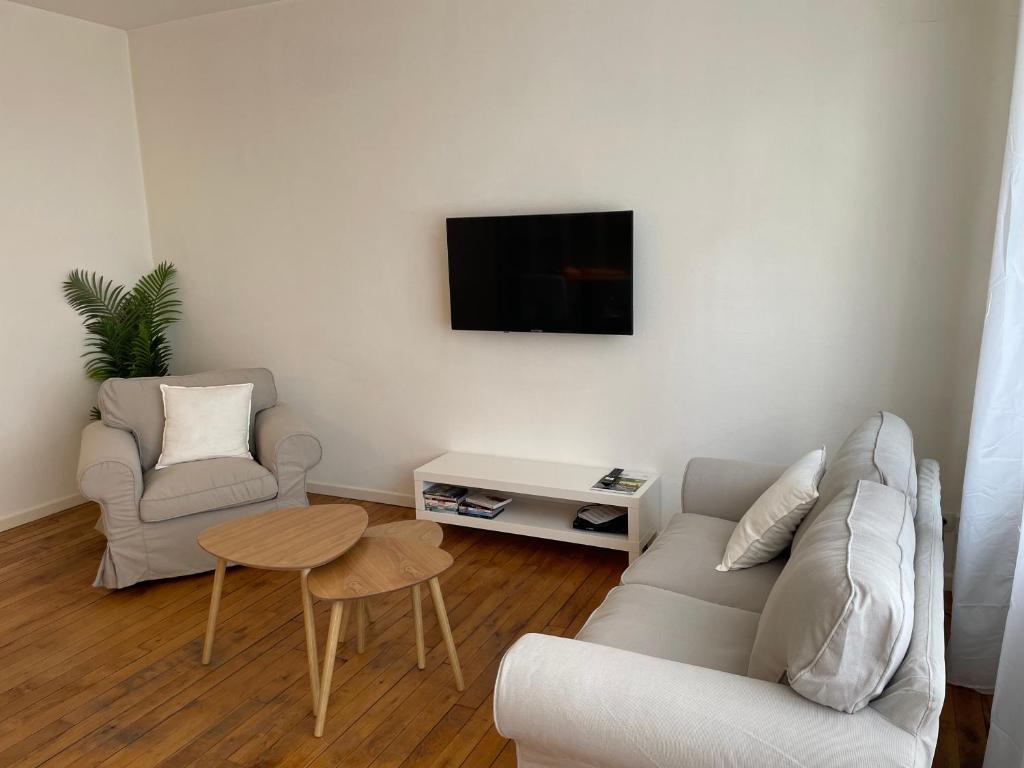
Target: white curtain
(988, 601)
(1006, 733)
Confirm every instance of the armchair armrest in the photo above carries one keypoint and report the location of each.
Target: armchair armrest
(570, 703)
(109, 471)
(725, 488)
(286, 446)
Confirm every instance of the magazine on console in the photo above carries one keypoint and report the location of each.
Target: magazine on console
(627, 483)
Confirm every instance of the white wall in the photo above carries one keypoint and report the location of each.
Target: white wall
(71, 195)
(814, 187)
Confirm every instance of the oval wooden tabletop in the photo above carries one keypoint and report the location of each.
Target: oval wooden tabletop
(377, 565)
(422, 530)
(290, 539)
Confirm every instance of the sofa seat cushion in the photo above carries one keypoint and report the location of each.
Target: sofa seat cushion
(683, 558)
(656, 622)
(202, 486)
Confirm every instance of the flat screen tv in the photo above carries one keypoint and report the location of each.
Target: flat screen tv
(552, 273)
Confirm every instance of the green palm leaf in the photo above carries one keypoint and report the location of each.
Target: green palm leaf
(91, 295)
(125, 330)
(155, 294)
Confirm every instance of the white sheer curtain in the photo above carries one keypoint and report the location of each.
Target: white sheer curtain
(1006, 733)
(988, 601)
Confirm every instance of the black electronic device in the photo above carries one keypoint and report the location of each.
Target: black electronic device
(552, 273)
(602, 519)
(611, 477)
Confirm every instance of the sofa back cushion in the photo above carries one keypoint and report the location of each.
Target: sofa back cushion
(136, 405)
(839, 619)
(881, 450)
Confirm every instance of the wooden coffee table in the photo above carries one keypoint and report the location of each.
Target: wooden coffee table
(375, 566)
(421, 530)
(294, 539)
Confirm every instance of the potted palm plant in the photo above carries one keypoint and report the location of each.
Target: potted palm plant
(125, 329)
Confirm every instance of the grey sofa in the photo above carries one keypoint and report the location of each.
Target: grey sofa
(659, 674)
(151, 517)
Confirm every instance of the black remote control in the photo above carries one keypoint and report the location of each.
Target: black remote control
(609, 479)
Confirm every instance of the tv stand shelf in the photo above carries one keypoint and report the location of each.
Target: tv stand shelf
(545, 496)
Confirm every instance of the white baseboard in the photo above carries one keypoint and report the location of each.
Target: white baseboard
(363, 494)
(14, 519)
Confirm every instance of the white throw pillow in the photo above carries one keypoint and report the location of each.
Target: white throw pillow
(768, 526)
(205, 423)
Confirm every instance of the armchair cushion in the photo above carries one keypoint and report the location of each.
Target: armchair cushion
(203, 486)
(206, 423)
(683, 559)
(136, 405)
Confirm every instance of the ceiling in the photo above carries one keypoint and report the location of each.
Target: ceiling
(132, 14)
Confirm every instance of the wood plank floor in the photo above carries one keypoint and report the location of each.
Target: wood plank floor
(90, 677)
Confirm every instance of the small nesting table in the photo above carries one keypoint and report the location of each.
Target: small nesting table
(293, 539)
(382, 561)
(420, 530)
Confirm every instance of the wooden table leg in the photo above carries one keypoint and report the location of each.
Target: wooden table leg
(310, 625)
(360, 626)
(211, 621)
(417, 617)
(366, 608)
(338, 612)
(446, 632)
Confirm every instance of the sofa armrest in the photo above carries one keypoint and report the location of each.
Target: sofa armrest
(571, 703)
(725, 488)
(286, 446)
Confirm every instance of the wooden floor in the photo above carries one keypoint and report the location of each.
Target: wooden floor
(90, 677)
(963, 725)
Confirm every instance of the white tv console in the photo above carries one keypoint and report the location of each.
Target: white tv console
(545, 497)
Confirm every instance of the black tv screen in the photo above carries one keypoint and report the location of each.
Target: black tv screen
(552, 273)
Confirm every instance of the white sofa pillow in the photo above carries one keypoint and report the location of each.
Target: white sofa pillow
(205, 423)
(768, 526)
